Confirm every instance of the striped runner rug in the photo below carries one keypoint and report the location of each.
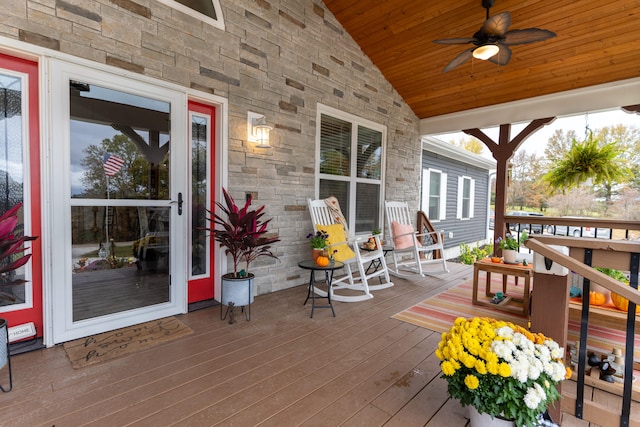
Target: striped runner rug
(439, 312)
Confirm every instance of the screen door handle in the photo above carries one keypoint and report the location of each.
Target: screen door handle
(179, 202)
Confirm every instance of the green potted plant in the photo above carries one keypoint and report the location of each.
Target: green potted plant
(510, 246)
(241, 231)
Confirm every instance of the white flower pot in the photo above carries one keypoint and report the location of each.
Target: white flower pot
(509, 256)
(477, 419)
(239, 290)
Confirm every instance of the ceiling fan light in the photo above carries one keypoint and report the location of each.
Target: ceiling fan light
(485, 51)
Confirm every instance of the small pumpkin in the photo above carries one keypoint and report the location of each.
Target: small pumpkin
(322, 261)
(597, 298)
(622, 303)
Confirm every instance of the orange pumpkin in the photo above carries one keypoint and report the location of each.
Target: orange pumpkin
(622, 303)
(322, 261)
(597, 298)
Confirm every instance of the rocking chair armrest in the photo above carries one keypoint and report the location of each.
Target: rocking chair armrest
(436, 236)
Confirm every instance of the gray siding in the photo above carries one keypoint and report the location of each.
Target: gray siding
(464, 231)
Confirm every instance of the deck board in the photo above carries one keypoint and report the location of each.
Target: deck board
(361, 368)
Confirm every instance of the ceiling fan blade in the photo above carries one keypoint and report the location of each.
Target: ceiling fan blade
(497, 25)
(503, 56)
(463, 57)
(455, 41)
(528, 35)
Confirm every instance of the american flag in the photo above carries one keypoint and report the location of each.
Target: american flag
(112, 164)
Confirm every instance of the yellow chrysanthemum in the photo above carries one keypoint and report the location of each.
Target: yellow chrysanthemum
(471, 381)
(492, 367)
(447, 368)
(504, 370)
(481, 368)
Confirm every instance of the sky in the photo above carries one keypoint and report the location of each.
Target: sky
(537, 142)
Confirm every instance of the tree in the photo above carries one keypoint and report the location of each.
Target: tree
(470, 144)
(524, 187)
(138, 178)
(559, 144)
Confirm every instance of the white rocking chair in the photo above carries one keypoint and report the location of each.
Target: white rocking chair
(412, 249)
(322, 215)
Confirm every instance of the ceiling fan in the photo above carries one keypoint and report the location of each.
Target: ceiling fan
(491, 42)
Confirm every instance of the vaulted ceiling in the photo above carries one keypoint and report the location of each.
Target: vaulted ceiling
(597, 42)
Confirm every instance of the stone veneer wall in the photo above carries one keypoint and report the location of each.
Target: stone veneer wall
(279, 58)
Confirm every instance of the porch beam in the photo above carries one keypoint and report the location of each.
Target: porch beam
(502, 151)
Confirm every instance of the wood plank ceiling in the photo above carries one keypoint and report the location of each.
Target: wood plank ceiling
(597, 42)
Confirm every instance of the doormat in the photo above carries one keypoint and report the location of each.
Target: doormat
(110, 345)
(439, 312)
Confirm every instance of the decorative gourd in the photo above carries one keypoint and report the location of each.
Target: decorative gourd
(622, 303)
(322, 261)
(597, 298)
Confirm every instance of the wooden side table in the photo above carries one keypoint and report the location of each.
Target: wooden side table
(517, 270)
(328, 275)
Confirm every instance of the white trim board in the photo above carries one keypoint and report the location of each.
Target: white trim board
(590, 99)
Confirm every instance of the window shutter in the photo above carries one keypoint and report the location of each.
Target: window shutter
(472, 197)
(459, 200)
(425, 191)
(443, 196)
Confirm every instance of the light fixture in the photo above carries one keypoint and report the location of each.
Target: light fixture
(485, 51)
(258, 130)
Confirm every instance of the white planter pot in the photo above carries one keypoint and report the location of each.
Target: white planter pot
(239, 291)
(509, 255)
(477, 419)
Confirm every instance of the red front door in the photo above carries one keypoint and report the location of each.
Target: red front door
(200, 260)
(20, 182)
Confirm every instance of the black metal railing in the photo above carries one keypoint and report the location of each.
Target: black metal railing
(621, 255)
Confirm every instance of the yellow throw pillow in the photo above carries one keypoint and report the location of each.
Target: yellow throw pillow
(336, 235)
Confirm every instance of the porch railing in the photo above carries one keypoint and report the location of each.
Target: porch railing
(550, 307)
(577, 227)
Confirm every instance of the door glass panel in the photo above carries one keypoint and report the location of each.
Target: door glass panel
(132, 272)
(12, 178)
(119, 157)
(199, 194)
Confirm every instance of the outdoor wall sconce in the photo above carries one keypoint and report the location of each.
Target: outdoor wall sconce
(4, 352)
(258, 130)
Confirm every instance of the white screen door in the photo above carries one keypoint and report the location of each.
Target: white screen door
(120, 147)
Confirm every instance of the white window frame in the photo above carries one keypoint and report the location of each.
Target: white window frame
(426, 195)
(352, 179)
(207, 272)
(218, 22)
(472, 190)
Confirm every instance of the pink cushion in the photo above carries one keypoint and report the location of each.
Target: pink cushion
(402, 242)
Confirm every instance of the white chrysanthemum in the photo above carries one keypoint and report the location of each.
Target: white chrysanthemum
(544, 352)
(559, 371)
(534, 396)
(502, 350)
(534, 371)
(519, 370)
(505, 332)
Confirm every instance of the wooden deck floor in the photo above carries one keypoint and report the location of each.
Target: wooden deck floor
(361, 368)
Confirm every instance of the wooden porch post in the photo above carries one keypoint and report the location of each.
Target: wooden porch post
(502, 152)
(550, 315)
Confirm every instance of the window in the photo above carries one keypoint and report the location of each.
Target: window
(350, 157)
(207, 10)
(434, 194)
(466, 193)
